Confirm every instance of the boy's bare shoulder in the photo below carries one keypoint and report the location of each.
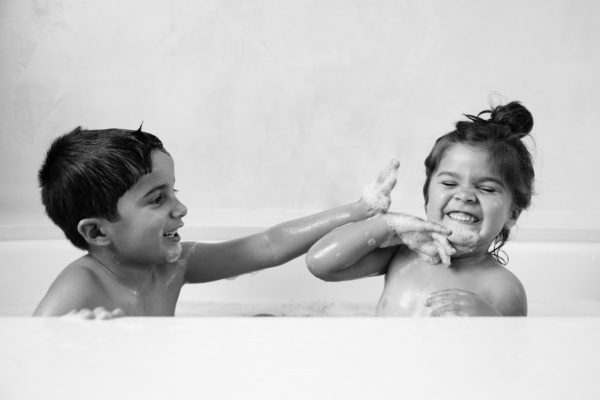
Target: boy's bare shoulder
(84, 270)
(75, 287)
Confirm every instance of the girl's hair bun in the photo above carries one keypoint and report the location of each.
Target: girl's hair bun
(514, 116)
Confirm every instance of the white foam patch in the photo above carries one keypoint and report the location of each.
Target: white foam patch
(173, 255)
(182, 263)
(375, 198)
(462, 239)
(430, 259)
(392, 240)
(395, 224)
(377, 193)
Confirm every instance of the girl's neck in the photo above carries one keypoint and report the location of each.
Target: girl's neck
(475, 259)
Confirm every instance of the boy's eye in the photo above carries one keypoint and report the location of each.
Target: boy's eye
(487, 189)
(158, 200)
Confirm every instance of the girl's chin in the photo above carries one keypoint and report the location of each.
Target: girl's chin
(463, 238)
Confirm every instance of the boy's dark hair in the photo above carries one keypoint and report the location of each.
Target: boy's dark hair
(86, 172)
(500, 136)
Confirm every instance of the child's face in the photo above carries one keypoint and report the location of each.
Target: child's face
(150, 215)
(467, 196)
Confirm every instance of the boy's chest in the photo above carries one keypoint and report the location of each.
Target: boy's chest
(158, 299)
(410, 280)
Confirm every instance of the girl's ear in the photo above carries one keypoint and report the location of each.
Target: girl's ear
(512, 220)
(92, 232)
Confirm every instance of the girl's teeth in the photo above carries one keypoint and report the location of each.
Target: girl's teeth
(458, 216)
(170, 235)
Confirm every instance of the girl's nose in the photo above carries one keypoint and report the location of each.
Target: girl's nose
(465, 195)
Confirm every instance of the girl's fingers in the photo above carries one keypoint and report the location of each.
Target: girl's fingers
(448, 313)
(440, 297)
(446, 310)
(450, 292)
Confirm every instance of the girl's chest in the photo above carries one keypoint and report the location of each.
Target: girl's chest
(410, 280)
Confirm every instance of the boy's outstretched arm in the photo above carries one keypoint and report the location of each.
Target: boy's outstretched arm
(285, 241)
(362, 249)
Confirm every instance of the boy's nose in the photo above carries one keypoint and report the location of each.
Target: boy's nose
(180, 210)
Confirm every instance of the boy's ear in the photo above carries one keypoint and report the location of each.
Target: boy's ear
(92, 232)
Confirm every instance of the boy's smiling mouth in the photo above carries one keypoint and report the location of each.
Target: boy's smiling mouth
(462, 217)
(172, 234)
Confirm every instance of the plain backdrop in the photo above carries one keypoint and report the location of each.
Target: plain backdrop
(296, 105)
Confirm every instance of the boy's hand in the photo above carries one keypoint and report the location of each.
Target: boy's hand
(97, 313)
(376, 195)
(459, 303)
(427, 238)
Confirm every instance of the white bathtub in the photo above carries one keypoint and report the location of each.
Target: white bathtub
(298, 358)
(561, 279)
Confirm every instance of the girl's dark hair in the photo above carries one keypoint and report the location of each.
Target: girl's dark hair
(500, 136)
(86, 172)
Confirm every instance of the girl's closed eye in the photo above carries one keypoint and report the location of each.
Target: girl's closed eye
(487, 189)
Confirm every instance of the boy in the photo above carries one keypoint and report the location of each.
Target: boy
(112, 193)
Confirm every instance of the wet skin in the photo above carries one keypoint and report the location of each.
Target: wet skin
(129, 265)
(410, 281)
(465, 195)
(138, 265)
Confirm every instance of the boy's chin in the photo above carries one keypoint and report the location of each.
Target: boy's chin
(174, 254)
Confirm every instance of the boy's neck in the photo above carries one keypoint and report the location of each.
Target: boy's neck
(134, 277)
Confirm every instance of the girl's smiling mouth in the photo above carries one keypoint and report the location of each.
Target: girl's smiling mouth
(462, 217)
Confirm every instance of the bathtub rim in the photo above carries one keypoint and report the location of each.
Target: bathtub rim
(223, 224)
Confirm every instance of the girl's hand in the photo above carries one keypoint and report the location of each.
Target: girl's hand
(427, 238)
(459, 303)
(97, 313)
(376, 195)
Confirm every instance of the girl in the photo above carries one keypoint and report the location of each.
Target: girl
(479, 178)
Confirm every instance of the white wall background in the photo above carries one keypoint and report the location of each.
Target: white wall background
(298, 104)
